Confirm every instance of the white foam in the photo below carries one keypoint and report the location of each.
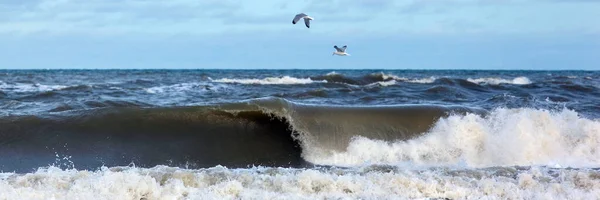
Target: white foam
(184, 87)
(27, 87)
(505, 137)
(285, 80)
(425, 80)
(388, 76)
(422, 80)
(383, 83)
(497, 81)
(332, 73)
(178, 88)
(281, 183)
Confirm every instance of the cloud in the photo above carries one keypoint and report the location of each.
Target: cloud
(141, 10)
(93, 15)
(332, 17)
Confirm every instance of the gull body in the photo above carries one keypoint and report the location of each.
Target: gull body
(302, 16)
(340, 51)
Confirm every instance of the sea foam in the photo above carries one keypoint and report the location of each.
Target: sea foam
(505, 137)
(374, 182)
(285, 80)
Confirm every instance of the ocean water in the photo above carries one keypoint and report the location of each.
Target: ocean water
(299, 134)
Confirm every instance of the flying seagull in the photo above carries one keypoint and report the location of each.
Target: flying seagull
(302, 16)
(340, 51)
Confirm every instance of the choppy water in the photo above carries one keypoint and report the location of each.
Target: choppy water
(299, 134)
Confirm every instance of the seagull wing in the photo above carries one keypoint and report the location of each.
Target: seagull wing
(307, 22)
(344, 48)
(298, 17)
(338, 49)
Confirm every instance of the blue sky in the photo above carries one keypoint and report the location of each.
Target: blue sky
(396, 34)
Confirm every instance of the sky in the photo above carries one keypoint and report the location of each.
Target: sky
(243, 34)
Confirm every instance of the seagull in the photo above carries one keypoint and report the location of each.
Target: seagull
(340, 51)
(303, 16)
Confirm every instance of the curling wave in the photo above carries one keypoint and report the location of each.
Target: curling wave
(268, 132)
(277, 132)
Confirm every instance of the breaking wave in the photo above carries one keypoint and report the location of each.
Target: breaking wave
(268, 132)
(181, 87)
(369, 79)
(505, 137)
(30, 87)
(497, 81)
(277, 132)
(285, 80)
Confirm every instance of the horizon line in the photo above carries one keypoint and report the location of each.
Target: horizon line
(313, 69)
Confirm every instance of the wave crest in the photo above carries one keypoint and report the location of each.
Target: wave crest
(31, 87)
(285, 80)
(503, 138)
(274, 131)
(497, 81)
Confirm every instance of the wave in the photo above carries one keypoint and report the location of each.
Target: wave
(371, 79)
(425, 80)
(268, 132)
(374, 78)
(30, 87)
(505, 137)
(277, 132)
(497, 81)
(195, 136)
(377, 182)
(421, 80)
(285, 80)
(381, 79)
(180, 87)
(176, 88)
(383, 83)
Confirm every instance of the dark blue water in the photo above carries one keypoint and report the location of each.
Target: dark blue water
(39, 91)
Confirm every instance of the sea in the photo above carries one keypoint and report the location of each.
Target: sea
(299, 134)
